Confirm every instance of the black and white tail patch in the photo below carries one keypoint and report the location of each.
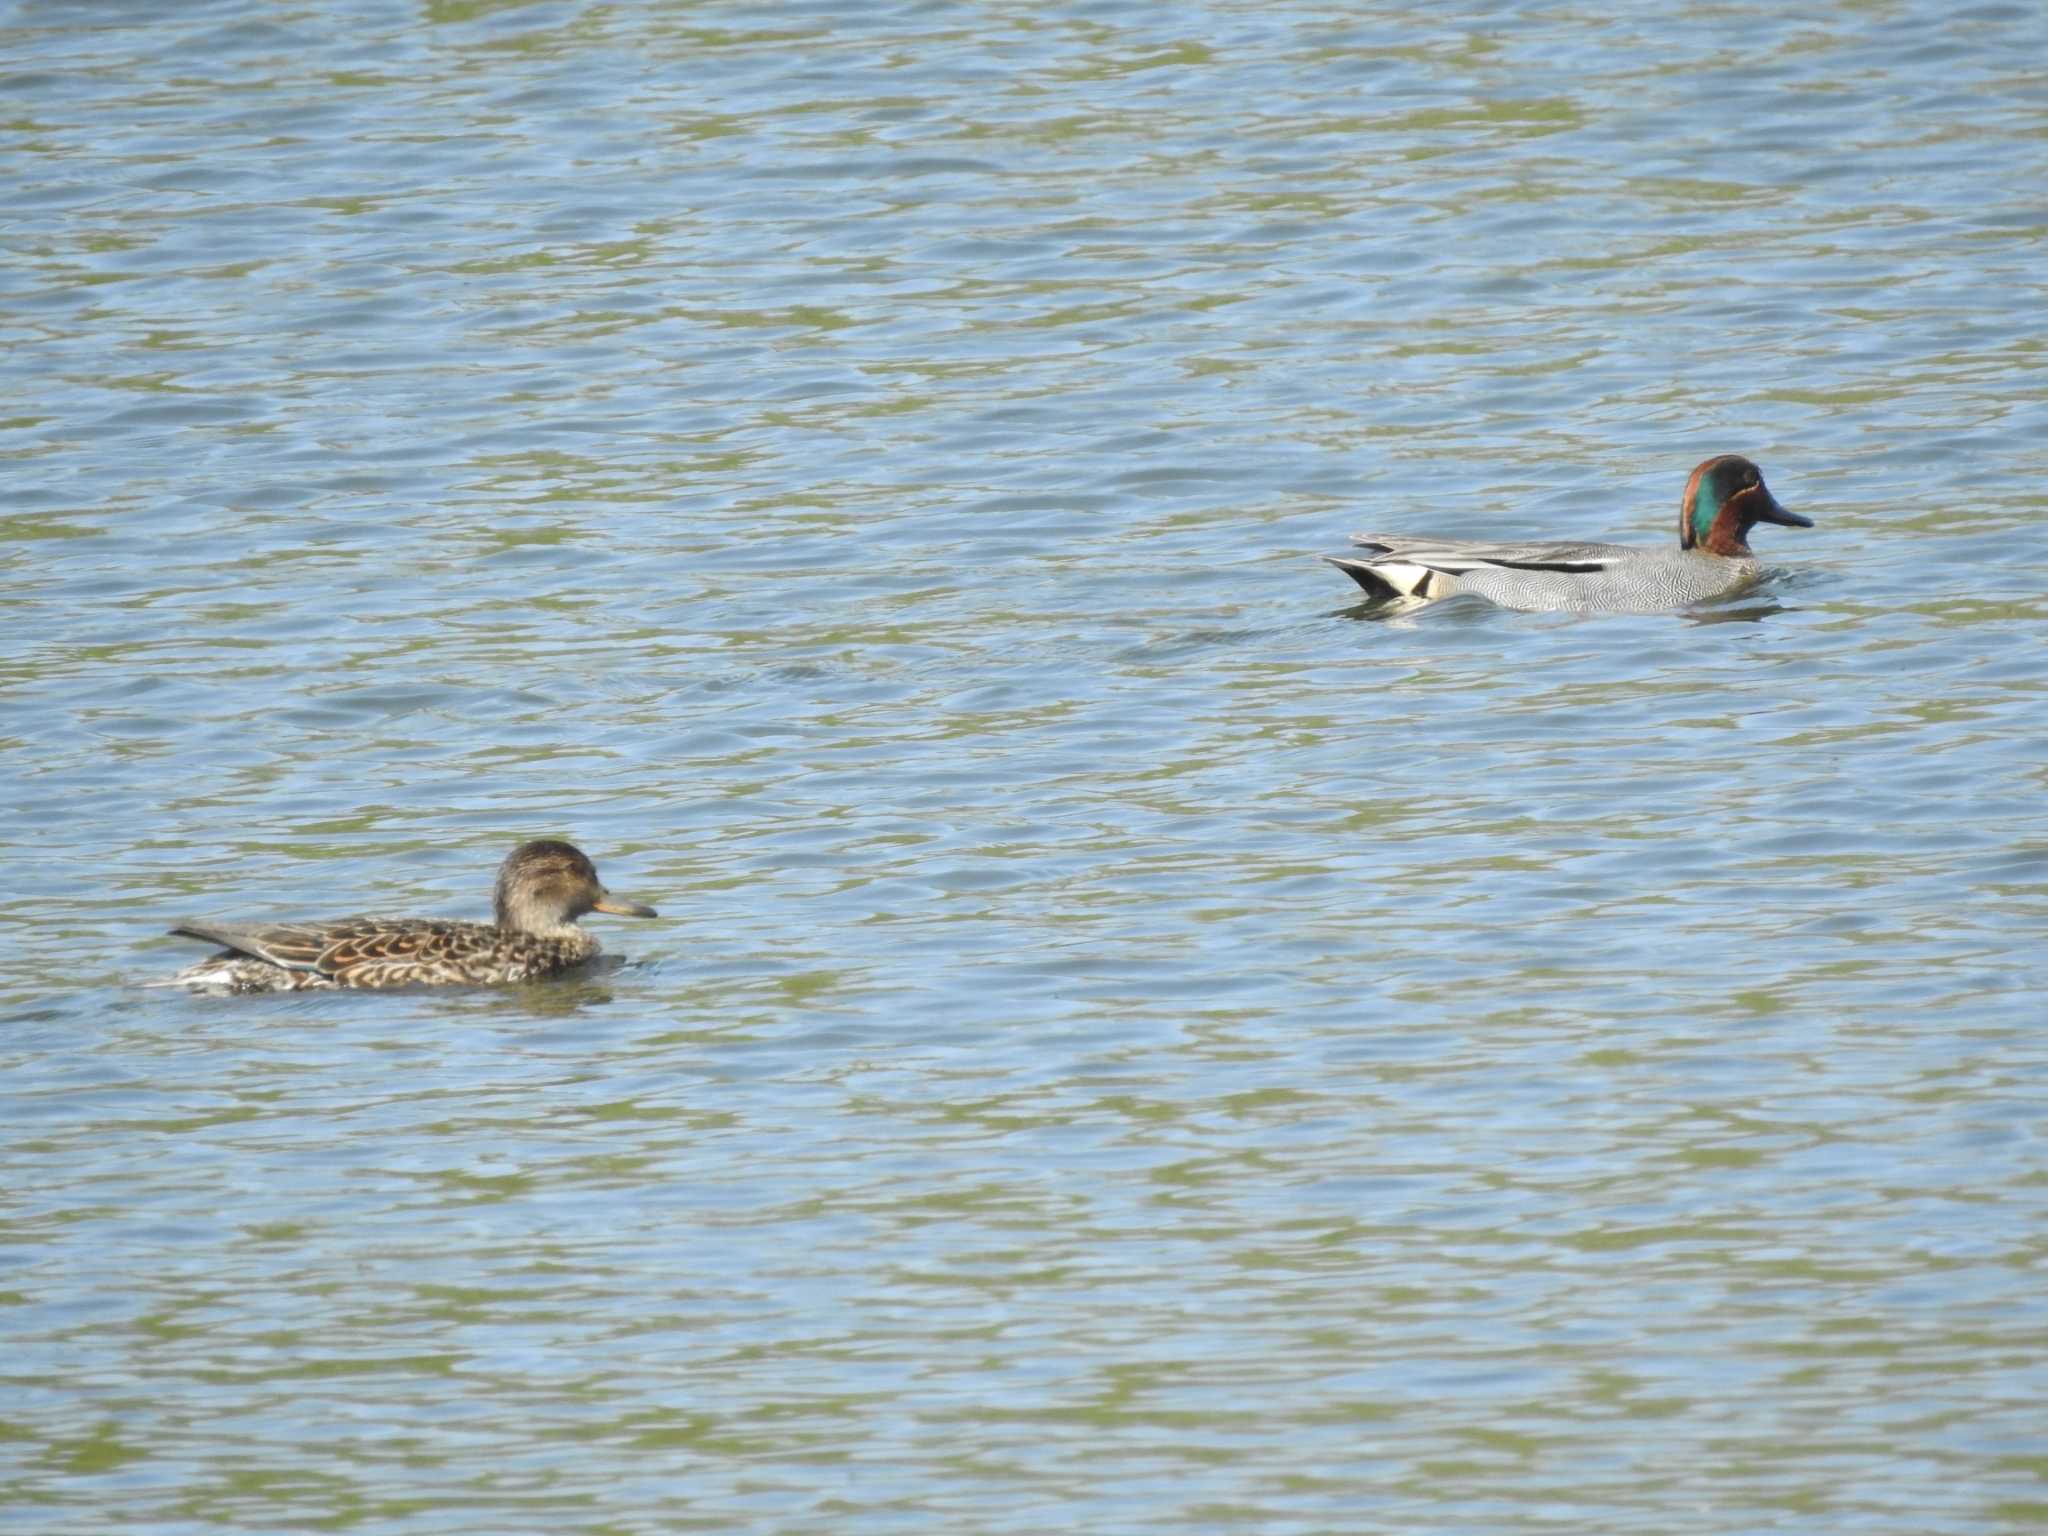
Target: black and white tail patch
(1392, 579)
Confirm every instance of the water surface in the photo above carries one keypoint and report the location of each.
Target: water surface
(1135, 1040)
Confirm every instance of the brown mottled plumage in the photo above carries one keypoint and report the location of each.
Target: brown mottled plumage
(543, 887)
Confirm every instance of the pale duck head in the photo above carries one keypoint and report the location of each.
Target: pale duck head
(544, 886)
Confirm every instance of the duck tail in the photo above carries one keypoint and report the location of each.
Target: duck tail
(1386, 580)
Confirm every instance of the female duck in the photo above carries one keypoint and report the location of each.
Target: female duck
(543, 887)
(1724, 499)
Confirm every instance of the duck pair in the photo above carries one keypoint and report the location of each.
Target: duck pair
(544, 887)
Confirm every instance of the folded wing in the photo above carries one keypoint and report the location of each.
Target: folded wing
(332, 949)
(1454, 557)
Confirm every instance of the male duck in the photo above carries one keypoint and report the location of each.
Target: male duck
(543, 887)
(1724, 499)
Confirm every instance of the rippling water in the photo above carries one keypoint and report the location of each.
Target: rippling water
(1135, 1041)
